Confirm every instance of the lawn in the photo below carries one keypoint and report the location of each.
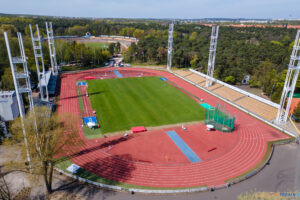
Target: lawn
(96, 45)
(144, 101)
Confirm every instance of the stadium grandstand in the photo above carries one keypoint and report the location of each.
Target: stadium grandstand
(254, 104)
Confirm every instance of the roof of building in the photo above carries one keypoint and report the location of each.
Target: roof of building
(6, 93)
(45, 79)
(295, 95)
(52, 84)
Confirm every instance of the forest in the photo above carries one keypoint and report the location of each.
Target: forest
(262, 53)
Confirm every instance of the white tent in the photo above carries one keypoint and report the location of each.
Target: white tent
(91, 124)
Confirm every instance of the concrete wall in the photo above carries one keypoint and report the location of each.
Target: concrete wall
(8, 107)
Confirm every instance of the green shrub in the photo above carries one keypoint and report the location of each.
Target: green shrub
(230, 79)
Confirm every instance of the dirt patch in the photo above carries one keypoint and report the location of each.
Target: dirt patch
(62, 195)
(10, 153)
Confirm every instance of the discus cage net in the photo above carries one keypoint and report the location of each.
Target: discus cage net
(220, 119)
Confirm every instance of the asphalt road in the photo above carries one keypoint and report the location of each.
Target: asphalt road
(283, 174)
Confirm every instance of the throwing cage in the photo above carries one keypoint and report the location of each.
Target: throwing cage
(221, 120)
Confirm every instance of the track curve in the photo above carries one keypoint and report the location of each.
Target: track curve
(250, 146)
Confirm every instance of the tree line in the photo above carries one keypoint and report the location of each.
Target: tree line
(262, 53)
(67, 52)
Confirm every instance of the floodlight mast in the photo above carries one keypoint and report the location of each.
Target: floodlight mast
(50, 36)
(17, 76)
(212, 55)
(170, 45)
(38, 53)
(290, 83)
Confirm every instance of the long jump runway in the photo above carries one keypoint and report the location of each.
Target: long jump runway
(188, 152)
(153, 159)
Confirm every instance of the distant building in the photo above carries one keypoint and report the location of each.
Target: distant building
(254, 21)
(9, 109)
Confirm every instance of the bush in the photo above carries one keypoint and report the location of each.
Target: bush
(230, 79)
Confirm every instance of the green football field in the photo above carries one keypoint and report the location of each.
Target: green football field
(144, 101)
(96, 45)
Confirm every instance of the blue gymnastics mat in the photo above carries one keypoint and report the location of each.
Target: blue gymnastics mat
(86, 120)
(82, 83)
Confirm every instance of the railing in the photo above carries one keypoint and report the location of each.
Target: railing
(120, 188)
(237, 106)
(239, 90)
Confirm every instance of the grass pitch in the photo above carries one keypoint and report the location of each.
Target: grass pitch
(96, 45)
(144, 101)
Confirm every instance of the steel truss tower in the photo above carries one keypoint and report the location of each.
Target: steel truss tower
(21, 77)
(50, 36)
(170, 46)
(38, 55)
(290, 82)
(212, 55)
(21, 80)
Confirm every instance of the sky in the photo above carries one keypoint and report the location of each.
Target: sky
(186, 9)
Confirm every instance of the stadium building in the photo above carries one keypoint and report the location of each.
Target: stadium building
(8, 105)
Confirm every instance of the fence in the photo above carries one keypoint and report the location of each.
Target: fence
(221, 120)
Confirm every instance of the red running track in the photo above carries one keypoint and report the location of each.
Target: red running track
(87, 108)
(156, 163)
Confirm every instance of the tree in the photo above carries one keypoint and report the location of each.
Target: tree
(105, 54)
(194, 61)
(49, 137)
(118, 47)
(111, 48)
(128, 31)
(296, 113)
(7, 80)
(193, 36)
(138, 33)
(161, 55)
(264, 76)
(77, 30)
(10, 29)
